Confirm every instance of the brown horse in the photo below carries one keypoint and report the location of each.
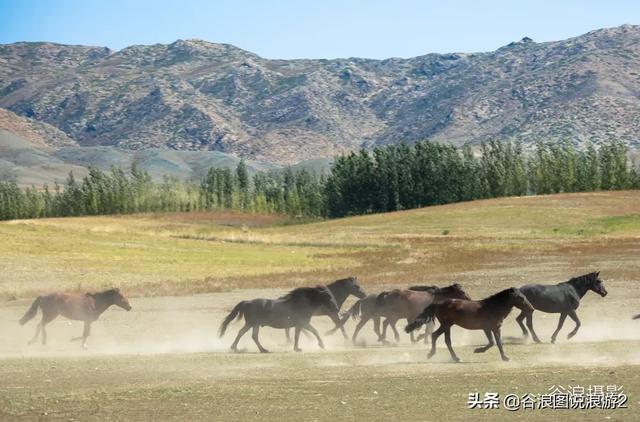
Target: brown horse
(486, 314)
(87, 307)
(408, 304)
(388, 305)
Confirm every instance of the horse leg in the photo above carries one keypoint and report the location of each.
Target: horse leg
(428, 329)
(563, 316)
(376, 328)
(358, 328)
(288, 335)
(447, 340)
(434, 338)
(309, 327)
(572, 314)
(256, 340)
(483, 349)
(383, 335)
(85, 334)
(296, 338)
(242, 332)
(37, 334)
(520, 318)
(530, 325)
(46, 318)
(395, 330)
(496, 334)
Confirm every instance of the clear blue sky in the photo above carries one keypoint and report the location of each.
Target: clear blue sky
(313, 28)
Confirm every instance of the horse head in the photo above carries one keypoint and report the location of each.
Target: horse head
(118, 299)
(519, 300)
(596, 284)
(355, 288)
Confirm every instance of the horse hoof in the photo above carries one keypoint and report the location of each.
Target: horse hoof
(505, 358)
(264, 351)
(537, 340)
(430, 355)
(478, 350)
(321, 346)
(456, 360)
(297, 349)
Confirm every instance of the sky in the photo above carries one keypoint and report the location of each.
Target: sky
(286, 29)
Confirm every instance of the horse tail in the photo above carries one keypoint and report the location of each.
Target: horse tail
(237, 311)
(425, 317)
(33, 310)
(355, 311)
(637, 316)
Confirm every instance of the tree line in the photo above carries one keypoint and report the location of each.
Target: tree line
(389, 178)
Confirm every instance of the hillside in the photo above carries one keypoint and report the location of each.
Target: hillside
(153, 254)
(194, 95)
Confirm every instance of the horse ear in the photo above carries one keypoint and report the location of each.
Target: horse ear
(597, 273)
(117, 290)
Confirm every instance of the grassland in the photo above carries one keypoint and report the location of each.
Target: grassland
(206, 252)
(163, 361)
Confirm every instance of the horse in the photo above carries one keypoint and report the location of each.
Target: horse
(295, 309)
(486, 314)
(340, 289)
(87, 307)
(563, 298)
(408, 304)
(373, 307)
(365, 310)
(636, 316)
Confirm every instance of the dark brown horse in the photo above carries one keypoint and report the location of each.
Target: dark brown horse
(295, 309)
(486, 314)
(87, 307)
(408, 304)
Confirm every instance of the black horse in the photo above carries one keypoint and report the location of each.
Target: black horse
(563, 298)
(340, 289)
(292, 310)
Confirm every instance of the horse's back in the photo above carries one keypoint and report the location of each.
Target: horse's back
(551, 298)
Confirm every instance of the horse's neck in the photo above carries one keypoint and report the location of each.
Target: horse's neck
(579, 286)
(101, 304)
(340, 294)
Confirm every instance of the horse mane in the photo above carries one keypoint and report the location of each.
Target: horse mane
(306, 291)
(499, 297)
(348, 280)
(107, 292)
(582, 278)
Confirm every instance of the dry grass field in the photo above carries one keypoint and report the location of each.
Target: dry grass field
(183, 272)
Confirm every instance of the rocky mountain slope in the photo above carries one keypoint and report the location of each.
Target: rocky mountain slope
(195, 95)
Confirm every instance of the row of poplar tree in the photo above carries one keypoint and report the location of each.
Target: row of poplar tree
(388, 178)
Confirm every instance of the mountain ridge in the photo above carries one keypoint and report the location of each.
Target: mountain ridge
(197, 95)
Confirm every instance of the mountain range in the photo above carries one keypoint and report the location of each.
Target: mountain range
(194, 99)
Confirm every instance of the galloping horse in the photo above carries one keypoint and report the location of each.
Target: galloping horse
(292, 310)
(486, 314)
(340, 289)
(563, 298)
(375, 307)
(87, 308)
(408, 304)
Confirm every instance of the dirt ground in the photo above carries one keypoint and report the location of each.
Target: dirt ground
(163, 361)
